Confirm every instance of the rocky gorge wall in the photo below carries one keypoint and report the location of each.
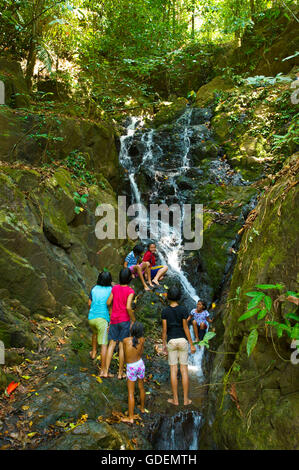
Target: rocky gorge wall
(253, 401)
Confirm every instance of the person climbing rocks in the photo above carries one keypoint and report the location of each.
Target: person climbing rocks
(131, 262)
(122, 316)
(157, 272)
(98, 316)
(133, 350)
(175, 329)
(199, 317)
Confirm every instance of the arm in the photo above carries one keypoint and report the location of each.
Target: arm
(125, 264)
(129, 308)
(187, 333)
(89, 303)
(164, 335)
(110, 300)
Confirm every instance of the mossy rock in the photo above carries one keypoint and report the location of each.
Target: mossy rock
(16, 92)
(206, 93)
(169, 112)
(275, 402)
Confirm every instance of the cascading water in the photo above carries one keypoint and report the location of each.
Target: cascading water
(160, 160)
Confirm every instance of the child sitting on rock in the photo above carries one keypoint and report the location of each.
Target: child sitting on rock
(133, 349)
(131, 262)
(199, 317)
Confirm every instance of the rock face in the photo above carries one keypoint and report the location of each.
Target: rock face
(16, 92)
(37, 140)
(48, 253)
(258, 409)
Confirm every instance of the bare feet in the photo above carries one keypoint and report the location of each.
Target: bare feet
(122, 376)
(156, 282)
(93, 354)
(147, 288)
(171, 400)
(188, 402)
(128, 420)
(106, 376)
(141, 409)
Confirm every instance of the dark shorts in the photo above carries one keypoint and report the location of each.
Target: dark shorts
(154, 270)
(119, 331)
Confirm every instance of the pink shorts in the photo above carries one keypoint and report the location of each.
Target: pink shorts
(136, 370)
(131, 268)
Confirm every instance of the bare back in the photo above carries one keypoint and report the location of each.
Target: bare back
(133, 354)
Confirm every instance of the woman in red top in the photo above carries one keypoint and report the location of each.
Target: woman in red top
(121, 318)
(156, 271)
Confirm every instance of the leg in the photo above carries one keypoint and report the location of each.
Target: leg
(142, 394)
(195, 329)
(185, 382)
(202, 331)
(139, 272)
(121, 374)
(93, 353)
(109, 355)
(174, 385)
(147, 267)
(159, 274)
(131, 402)
(103, 359)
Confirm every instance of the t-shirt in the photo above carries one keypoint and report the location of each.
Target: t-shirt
(99, 296)
(131, 259)
(149, 256)
(119, 307)
(174, 317)
(199, 317)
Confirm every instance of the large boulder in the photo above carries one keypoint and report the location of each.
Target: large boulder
(258, 406)
(16, 92)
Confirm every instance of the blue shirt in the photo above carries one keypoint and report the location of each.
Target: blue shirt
(99, 296)
(131, 259)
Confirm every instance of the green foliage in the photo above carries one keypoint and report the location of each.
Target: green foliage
(261, 306)
(207, 337)
(80, 200)
(76, 161)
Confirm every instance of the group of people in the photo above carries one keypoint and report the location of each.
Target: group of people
(113, 321)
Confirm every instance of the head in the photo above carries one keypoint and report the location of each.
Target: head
(125, 276)
(138, 250)
(137, 332)
(104, 279)
(152, 247)
(201, 305)
(174, 293)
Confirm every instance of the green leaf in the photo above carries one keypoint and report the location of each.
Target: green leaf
(249, 314)
(268, 302)
(256, 300)
(292, 316)
(251, 341)
(262, 314)
(209, 335)
(252, 294)
(269, 286)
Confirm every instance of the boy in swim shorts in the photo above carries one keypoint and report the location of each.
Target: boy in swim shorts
(133, 349)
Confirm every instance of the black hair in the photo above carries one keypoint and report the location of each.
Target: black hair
(149, 244)
(138, 250)
(203, 303)
(104, 279)
(174, 293)
(136, 332)
(125, 276)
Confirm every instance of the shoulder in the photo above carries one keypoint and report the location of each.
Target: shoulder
(183, 311)
(165, 313)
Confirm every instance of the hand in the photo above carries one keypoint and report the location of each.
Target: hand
(193, 349)
(165, 350)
